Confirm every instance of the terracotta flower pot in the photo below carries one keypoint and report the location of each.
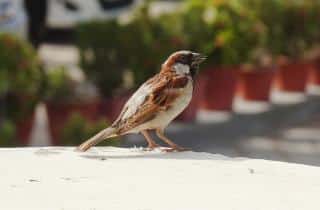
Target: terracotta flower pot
(106, 108)
(314, 74)
(58, 115)
(117, 104)
(111, 107)
(24, 128)
(255, 85)
(189, 114)
(292, 77)
(218, 86)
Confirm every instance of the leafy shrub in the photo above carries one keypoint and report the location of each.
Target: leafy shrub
(292, 26)
(7, 134)
(196, 25)
(227, 31)
(77, 129)
(21, 77)
(19, 67)
(103, 55)
(63, 88)
(231, 32)
(139, 46)
(59, 86)
(154, 40)
(312, 33)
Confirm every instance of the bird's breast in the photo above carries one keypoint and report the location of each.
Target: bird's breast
(165, 117)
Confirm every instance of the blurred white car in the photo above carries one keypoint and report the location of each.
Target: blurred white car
(60, 14)
(67, 13)
(13, 18)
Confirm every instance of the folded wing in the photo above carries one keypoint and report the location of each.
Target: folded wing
(154, 96)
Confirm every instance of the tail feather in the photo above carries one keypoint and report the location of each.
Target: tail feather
(96, 139)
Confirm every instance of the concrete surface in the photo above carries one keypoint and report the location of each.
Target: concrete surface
(133, 179)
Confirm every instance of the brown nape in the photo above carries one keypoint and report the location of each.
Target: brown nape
(167, 66)
(165, 69)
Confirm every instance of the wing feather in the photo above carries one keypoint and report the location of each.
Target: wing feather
(158, 94)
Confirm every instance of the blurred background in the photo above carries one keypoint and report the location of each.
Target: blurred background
(68, 66)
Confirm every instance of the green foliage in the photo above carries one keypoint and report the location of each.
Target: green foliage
(7, 134)
(292, 26)
(154, 39)
(18, 107)
(232, 32)
(19, 67)
(227, 31)
(62, 87)
(77, 129)
(59, 86)
(21, 77)
(103, 55)
(197, 25)
(312, 20)
(140, 46)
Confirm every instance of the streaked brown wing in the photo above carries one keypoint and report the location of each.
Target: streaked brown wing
(165, 90)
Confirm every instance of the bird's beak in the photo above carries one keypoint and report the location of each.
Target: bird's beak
(198, 58)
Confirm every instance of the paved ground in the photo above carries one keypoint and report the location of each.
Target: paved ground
(59, 178)
(287, 130)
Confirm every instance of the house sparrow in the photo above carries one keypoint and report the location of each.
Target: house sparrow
(156, 103)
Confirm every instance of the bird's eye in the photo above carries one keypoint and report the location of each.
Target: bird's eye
(184, 59)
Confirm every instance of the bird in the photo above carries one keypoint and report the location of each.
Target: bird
(156, 103)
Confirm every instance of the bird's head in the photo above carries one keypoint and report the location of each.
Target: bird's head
(184, 62)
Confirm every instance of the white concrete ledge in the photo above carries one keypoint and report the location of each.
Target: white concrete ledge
(112, 178)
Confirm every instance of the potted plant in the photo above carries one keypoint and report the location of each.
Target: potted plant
(77, 129)
(286, 22)
(104, 60)
(257, 68)
(66, 95)
(228, 36)
(21, 79)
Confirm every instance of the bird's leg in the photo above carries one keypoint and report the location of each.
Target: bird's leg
(151, 143)
(174, 147)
